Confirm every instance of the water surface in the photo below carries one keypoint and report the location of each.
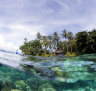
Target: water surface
(28, 73)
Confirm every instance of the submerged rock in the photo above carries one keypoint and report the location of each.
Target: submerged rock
(60, 79)
(34, 82)
(72, 80)
(16, 90)
(20, 84)
(6, 88)
(7, 83)
(87, 88)
(58, 71)
(46, 87)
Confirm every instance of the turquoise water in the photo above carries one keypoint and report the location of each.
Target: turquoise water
(28, 73)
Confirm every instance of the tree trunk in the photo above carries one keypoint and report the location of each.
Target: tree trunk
(67, 48)
(45, 49)
(71, 49)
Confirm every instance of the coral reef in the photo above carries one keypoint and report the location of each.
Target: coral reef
(46, 87)
(20, 84)
(16, 90)
(68, 76)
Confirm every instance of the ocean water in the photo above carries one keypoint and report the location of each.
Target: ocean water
(28, 73)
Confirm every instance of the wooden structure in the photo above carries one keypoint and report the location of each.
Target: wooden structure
(59, 52)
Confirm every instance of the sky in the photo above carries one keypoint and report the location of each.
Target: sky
(24, 18)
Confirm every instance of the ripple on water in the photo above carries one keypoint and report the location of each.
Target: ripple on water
(64, 74)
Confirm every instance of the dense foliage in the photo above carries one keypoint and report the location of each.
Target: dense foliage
(82, 42)
(86, 42)
(32, 48)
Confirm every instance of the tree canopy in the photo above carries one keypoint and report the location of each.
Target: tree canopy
(32, 48)
(80, 43)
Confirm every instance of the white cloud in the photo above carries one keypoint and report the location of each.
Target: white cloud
(90, 27)
(63, 4)
(14, 39)
(7, 46)
(1, 40)
(24, 18)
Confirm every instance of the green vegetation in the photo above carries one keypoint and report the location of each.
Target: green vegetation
(71, 45)
(70, 54)
(32, 48)
(86, 42)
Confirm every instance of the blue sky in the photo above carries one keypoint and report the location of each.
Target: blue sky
(24, 18)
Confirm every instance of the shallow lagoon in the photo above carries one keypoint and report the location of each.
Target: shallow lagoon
(27, 73)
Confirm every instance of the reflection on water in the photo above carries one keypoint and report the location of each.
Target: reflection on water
(47, 74)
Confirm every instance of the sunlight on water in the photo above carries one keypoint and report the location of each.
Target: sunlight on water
(47, 74)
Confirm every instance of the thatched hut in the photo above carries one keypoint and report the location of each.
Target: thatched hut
(58, 52)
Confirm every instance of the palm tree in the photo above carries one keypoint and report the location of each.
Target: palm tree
(38, 36)
(45, 43)
(25, 40)
(70, 38)
(65, 36)
(56, 39)
(50, 38)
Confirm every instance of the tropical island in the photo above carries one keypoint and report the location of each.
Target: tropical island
(67, 44)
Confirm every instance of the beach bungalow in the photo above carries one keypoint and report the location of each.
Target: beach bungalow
(59, 52)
